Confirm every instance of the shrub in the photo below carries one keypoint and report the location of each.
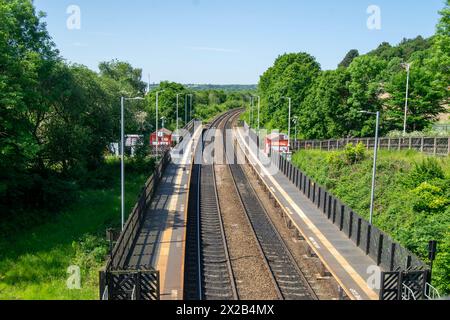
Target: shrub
(429, 198)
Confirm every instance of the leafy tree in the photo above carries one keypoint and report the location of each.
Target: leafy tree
(364, 87)
(424, 99)
(439, 61)
(349, 57)
(324, 111)
(291, 76)
(130, 78)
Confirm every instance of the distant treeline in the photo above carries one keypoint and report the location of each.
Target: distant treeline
(328, 104)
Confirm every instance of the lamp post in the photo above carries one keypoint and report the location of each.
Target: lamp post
(259, 113)
(374, 172)
(295, 120)
(289, 123)
(157, 120)
(178, 119)
(191, 97)
(122, 155)
(408, 69)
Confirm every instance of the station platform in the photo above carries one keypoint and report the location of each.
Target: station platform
(161, 240)
(348, 264)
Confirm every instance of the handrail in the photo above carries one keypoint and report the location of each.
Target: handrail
(133, 293)
(431, 293)
(105, 295)
(407, 293)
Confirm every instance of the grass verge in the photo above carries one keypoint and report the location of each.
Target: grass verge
(34, 261)
(412, 196)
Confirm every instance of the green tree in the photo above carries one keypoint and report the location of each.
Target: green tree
(349, 57)
(291, 76)
(324, 111)
(364, 87)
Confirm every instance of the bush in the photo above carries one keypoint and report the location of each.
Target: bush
(429, 198)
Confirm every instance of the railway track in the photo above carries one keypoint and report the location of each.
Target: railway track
(290, 282)
(208, 267)
(208, 271)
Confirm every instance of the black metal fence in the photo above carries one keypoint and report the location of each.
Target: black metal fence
(126, 239)
(126, 285)
(378, 245)
(387, 253)
(117, 282)
(438, 146)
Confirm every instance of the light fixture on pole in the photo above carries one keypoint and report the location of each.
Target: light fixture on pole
(295, 120)
(178, 119)
(407, 66)
(374, 170)
(289, 123)
(259, 113)
(122, 155)
(157, 120)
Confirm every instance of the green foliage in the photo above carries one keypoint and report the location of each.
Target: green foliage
(411, 201)
(429, 198)
(349, 57)
(291, 76)
(36, 248)
(328, 103)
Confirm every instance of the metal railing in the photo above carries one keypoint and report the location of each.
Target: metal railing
(125, 242)
(387, 253)
(407, 293)
(437, 146)
(431, 293)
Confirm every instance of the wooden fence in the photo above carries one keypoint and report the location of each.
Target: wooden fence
(437, 146)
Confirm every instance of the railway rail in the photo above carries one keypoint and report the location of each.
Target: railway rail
(290, 282)
(208, 271)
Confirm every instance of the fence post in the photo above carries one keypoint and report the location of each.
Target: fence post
(380, 249)
(138, 286)
(350, 225)
(341, 223)
(435, 146)
(448, 147)
(334, 211)
(358, 235)
(422, 142)
(369, 229)
(389, 144)
(391, 266)
(329, 206)
(410, 143)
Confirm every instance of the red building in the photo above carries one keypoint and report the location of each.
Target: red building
(162, 138)
(278, 142)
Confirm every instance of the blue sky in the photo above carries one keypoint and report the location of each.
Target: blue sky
(228, 41)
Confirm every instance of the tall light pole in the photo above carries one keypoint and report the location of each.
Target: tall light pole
(289, 123)
(122, 155)
(178, 119)
(157, 118)
(408, 69)
(259, 113)
(185, 110)
(374, 172)
(295, 120)
(191, 97)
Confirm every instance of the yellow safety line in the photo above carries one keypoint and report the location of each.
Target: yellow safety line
(344, 263)
(166, 239)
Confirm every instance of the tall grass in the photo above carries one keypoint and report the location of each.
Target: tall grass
(34, 261)
(412, 201)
